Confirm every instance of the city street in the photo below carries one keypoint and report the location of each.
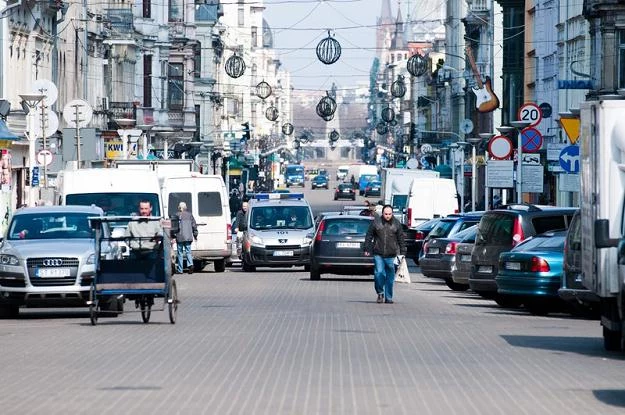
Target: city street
(274, 341)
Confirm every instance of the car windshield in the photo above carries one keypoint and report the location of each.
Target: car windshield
(551, 241)
(115, 204)
(467, 235)
(345, 186)
(281, 217)
(351, 227)
(50, 225)
(442, 229)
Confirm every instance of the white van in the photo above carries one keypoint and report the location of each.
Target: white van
(207, 199)
(117, 192)
(430, 198)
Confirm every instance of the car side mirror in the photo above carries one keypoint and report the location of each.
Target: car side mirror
(602, 235)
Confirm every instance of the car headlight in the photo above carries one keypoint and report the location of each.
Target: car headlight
(308, 239)
(256, 240)
(9, 260)
(91, 259)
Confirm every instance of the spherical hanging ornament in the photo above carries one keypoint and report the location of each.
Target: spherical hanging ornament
(381, 128)
(304, 138)
(398, 88)
(287, 128)
(329, 50)
(417, 65)
(263, 90)
(235, 66)
(334, 135)
(388, 114)
(326, 106)
(332, 145)
(271, 113)
(296, 144)
(328, 117)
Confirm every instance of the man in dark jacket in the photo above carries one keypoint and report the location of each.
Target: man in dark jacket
(187, 232)
(385, 241)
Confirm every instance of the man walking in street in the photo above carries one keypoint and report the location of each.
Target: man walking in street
(385, 241)
(187, 232)
(241, 219)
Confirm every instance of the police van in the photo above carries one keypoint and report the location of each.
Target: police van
(280, 229)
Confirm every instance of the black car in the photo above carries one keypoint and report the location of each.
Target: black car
(338, 246)
(372, 188)
(344, 191)
(414, 238)
(502, 229)
(451, 225)
(320, 182)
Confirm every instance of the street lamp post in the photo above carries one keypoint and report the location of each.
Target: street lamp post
(462, 144)
(486, 137)
(474, 141)
(519, 126)
(505, 130)
(31, 101)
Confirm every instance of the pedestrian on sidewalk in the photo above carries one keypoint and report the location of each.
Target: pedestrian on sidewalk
(187, 232)
(385, 241)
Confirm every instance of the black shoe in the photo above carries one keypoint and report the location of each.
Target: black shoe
(190, 270)
(380, 298)
(389, 301)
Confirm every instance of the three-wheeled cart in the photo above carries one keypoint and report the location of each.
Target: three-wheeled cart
(134, 268)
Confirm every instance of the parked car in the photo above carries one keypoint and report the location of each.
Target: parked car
(416, 236)
(320, 182)
(344, 191)
(373, 188)
(500, 230)
(440, 254)
(461, 267)
(48, 259)
(451, 225)
(531, 272)
(572, 289)
(338, 246)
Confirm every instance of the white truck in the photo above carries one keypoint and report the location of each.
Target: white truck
(162, 168)
(396, 184)
(357, 170)
(602, 167)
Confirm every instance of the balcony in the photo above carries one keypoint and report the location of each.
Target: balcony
(478, 5)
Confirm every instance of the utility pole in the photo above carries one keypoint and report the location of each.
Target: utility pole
(45, 142)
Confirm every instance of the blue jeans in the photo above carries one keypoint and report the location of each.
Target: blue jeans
(183, 249)
(384, 276)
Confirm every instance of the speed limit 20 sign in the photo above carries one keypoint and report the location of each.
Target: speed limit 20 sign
(531, 113)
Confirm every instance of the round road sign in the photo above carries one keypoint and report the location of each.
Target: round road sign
(500, 147)
(531, 140)
(44, 157)
(530, 112)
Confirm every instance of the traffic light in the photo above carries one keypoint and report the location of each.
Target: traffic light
(246, 131)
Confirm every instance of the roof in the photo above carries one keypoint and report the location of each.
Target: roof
(93, 210)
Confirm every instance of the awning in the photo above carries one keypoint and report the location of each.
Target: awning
(5, 133)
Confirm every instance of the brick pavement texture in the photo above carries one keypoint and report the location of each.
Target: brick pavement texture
(274, 342)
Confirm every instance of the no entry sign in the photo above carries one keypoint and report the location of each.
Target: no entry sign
(500, 147)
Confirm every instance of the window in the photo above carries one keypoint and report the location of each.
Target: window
(147, 80)
(175, 10)
(495, 229)
(174, 200)
(115, 204)
(197, 60)
(147, 8)
(549, 223)
(241, 17)
(209, 204)
(254, 36)
(621, 59)
(175, 86)
(51, 226)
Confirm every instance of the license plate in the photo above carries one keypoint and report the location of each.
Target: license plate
(514, 266)
(433, 251)
(465, 258)
(348, 245)
(485, 269)
(53, 272)
(346, 191)
(283, 253)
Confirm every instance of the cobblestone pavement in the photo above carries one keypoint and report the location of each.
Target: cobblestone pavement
(274, 342)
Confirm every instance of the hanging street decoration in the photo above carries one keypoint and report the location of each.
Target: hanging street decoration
(304, 138)
(417, 65)
(271, 113)
(326, 107)
(296, 144)
(381, 128)
(388, 114)
(398, 88)
(235, 66)
(332, 145)
(287, 128)
(263, 90)
(334, 135)
(328, 117)
(329, 50)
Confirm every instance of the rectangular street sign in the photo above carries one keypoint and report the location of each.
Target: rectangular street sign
(553, 151)
(569, 182)
(499, 174)
(533, 178)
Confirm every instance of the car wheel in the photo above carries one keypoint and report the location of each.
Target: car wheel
(220, 265)
(537, 308)
(507, 301)
(247, 267)
(306, 268)
(336, 198)
(455, 286)
(9, 311)
(198, 265)
(315, 274)
(354, 197)
(612, 340)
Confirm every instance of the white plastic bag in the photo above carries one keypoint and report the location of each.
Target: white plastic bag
(402, 274)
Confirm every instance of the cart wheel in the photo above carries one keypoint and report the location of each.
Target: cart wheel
(173, 302)
(93, 306)
(146, 309)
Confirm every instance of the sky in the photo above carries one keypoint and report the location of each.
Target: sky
(299, 25)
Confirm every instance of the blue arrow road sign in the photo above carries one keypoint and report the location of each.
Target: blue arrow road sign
(569, 159)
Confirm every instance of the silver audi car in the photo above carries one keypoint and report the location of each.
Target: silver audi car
(47, 258)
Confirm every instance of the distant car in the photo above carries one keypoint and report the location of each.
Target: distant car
(338, 247)
(440, 255)
(320, 182)
(531, 272)
(48, 258)
(344, 191)
(373, 188)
